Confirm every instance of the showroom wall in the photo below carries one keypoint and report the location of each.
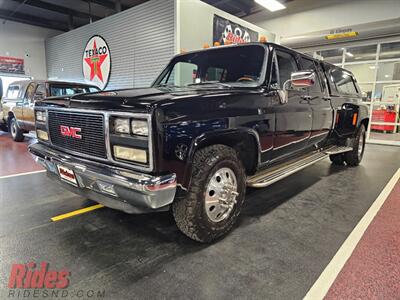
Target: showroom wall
(141, 42)
(26, 42)
(196, 24)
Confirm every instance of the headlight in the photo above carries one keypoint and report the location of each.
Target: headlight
(42, 135)
(121, 125)
(139, 127)
(41, 116)
(132, 154)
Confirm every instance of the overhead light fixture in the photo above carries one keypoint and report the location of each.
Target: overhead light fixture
(349, 54)
(271, 5)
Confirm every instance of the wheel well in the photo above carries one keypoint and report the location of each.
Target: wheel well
(245, 145)
(365, 122)
(10, 117)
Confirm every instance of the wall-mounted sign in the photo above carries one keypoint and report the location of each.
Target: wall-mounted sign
(228, 32)
(341, 33)
(11, 65)
(96, 62)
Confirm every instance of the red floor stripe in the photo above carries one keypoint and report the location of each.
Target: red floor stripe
(15, 157)
(373, 269)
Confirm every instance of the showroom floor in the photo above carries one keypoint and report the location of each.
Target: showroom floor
(287, 235)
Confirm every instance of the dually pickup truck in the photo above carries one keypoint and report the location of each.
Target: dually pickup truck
(213, 122)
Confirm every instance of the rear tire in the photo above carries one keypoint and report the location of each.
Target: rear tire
(354, 157)
(17, 133)
(215, 197)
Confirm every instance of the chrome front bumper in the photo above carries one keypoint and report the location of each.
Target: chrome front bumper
(115, 187)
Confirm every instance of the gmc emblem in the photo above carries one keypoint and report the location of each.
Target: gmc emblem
(71, 132)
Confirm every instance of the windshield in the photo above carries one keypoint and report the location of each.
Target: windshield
(228, 66)
(63, 90)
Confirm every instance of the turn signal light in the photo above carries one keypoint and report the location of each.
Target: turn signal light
(131, 154)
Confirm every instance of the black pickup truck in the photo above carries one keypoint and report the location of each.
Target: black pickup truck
(214, 121)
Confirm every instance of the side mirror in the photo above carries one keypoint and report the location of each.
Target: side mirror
(302, 79)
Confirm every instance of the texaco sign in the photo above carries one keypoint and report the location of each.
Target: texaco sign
(96, 62)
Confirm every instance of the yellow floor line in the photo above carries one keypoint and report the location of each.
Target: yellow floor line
(76, 212)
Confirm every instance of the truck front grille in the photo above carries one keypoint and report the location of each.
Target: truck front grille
(91, 130)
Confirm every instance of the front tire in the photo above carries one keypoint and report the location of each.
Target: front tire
(354, 157)
(215, 197)
(17, 134)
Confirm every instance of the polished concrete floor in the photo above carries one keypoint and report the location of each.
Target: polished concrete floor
(286, 236)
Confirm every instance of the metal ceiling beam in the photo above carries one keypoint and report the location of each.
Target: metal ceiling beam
(32, 20)
(59, 9)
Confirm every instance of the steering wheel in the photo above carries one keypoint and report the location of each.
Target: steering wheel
(245, 78)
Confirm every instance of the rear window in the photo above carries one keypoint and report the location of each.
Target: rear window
(343, 81)
(13, 92)
(63, 90)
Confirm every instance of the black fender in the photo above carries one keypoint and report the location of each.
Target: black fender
(231, 137)
(349, 118)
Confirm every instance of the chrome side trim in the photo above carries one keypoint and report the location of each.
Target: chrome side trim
(106, 132)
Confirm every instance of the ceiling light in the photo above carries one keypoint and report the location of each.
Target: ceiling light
(349, 54)
(372, 67)
(271, 5)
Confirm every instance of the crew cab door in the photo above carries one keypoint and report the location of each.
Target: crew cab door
(293, 118)
(322, 112)
(27, 112)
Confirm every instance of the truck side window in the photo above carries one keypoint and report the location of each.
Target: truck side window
(30, 91)
(344, 82)
(41, 90)
(12, 92)
(308, 64)
(286, 65)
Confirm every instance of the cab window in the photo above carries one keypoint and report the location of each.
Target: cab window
(309, 64)
(13, 92)
(41, 90)
(286, 66)
(30, 92)
(344, 82)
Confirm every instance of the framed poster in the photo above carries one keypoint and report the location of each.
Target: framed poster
(228, 32)
(12, 65)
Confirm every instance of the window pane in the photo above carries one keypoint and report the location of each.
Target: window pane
(360, 53)
(344, 82)
(389, 71)
(366, 91)
(362, 72)
(390, 50)
(333, 56)
(286, 65)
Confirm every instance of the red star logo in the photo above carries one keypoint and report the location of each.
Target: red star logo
(95, 62)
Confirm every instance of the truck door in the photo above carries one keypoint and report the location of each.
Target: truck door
(322, 112)
(294, 118)
(27, 113)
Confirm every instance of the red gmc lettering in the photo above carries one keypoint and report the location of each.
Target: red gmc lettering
(70, 131)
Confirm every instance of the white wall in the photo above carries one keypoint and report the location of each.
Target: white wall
(336, 14)
(27, 42)
(195, 24)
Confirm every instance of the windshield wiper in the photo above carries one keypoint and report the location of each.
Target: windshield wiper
(211, 82)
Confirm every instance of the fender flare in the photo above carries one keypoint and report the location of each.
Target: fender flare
(224, 137)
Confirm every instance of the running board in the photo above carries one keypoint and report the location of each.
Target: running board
(269, 176)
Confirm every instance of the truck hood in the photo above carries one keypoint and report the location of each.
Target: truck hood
(141, 99)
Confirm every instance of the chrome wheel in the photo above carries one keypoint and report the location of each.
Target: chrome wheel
(221, 194)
